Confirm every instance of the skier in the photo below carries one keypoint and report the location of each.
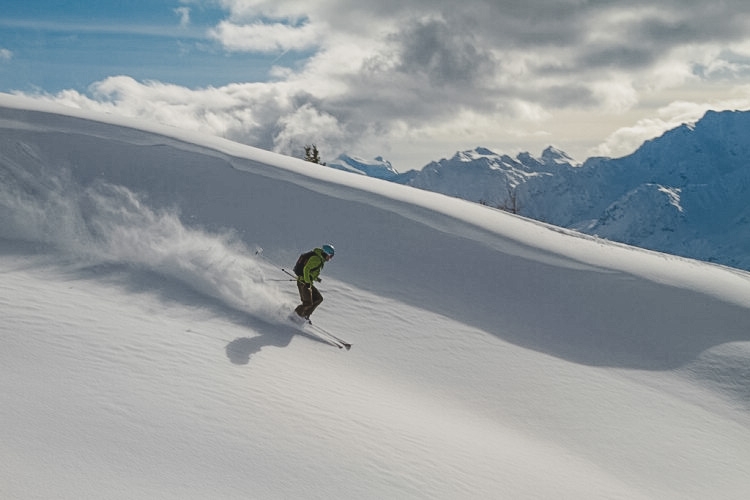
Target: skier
(308, 269)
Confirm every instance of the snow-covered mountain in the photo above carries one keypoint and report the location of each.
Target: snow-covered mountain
(484, 176)
(145, 350)
(377, 168)
(684, 193)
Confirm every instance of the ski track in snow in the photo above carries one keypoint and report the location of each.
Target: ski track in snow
(145, 350)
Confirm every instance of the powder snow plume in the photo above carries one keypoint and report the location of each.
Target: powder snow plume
(105, 223)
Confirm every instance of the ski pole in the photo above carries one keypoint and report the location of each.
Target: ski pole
(259, 252)
(290, 274)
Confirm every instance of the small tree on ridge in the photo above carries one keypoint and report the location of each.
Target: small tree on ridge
(312, 155)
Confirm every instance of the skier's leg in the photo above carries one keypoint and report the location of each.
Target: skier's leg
(315, 299)
(305, 295)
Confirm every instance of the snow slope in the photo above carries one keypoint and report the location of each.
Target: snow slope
(145, 351)
(684, 193)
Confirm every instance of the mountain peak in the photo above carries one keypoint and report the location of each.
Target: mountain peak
(485, 152)
(553, 155)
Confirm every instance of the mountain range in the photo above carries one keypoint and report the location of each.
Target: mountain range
(683, 193)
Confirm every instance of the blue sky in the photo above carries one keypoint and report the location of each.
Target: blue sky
(410, 80)
(58, 45)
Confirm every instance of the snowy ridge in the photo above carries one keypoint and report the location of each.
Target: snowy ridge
(377, 168)
(145, 355)
(623, 199)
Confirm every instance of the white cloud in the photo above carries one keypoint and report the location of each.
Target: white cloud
(307, 122)
(385, 63)
(263, 37)
(394, 74)
(184, 14)
(5, 55)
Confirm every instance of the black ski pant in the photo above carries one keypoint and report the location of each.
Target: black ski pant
(311, 298)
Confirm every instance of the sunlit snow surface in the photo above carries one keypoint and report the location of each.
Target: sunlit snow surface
(146, 353)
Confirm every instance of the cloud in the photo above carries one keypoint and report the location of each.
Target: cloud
(371, 77)
(5, 55)
(444, 55)
(184, 14)
(264, 37)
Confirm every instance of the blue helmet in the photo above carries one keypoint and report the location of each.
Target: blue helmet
(329, 250)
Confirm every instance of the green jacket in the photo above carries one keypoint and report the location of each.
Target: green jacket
(313, 267)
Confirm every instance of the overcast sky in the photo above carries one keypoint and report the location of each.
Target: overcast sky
(411, 80)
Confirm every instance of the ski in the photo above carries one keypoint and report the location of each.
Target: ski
(325, 339)
(306, 326)
(339, 342)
